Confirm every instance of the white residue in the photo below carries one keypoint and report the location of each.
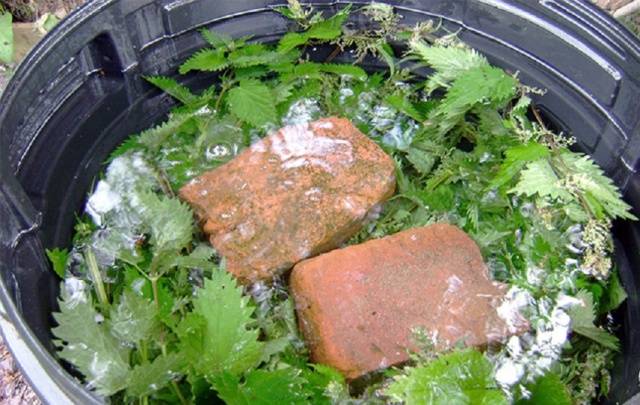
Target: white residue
(509, 373)
(302, 112)
(345, 93)
(102, 201)
(398, 137)
(216, 152)
(75, 290)
(298, 146)
(533, 353)
(383, 117)
(116, 208)
(510, 309)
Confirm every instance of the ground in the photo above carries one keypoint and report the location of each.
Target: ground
(13, 388)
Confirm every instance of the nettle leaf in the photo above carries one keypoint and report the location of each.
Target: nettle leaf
(480, 85)
(283, 386)
(449, 62)
(614, 294)
(459, 377)
(200, 257)
(253, 54)
(515, 159)
(155, 137)
(253, 102)
(402, 104)
(216, 39)
(325, 30)
(147, 378)
(86, 343)
(539, 178)
(582, 319)
(206, 60)
(312, 69)
(173, 88)
(170, 221)
(421, 160)
(547, 390)
(593, 182)
(133, 319)
(320, 379)
(58, 258)
(216, 336)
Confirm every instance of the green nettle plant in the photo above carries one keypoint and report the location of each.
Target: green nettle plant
(148, 313)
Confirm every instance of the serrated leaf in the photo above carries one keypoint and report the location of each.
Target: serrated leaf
(252, 55)
(58, 258)
(88, 345)
(614, 294)
(170, 222)
(539, 178)
(262, 387)
(133, 319)
(155, 137)
(402, 104)
(312, 69)
(147, 378)
(422, 161)
(216, 336)
(324, 30)
(252, 102)
(131, 144)
(216, 39)
(449, 62)
(291, 40)
(6, 37)
(515, 159)
(592, 180)
(582, 318)
(484, 85)
(547, 390)
(458, 377)
(173, 88)
(320, 379)
(206, 60)
(199, 258)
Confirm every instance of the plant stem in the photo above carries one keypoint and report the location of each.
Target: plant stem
(176, 389)
(154, 286)
(225, 87)
(94, 272)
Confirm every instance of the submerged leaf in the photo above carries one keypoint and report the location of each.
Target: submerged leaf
(148, 378)
(170, 222)
(456, 378)
(133, 319)
(262, 387)
(87, 344)
(216, 336)
(547, 390)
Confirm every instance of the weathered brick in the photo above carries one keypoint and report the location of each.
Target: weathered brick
(357, 306)
(296, 193)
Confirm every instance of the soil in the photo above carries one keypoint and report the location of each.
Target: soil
(31, 10)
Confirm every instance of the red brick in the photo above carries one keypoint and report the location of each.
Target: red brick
(296, 193)
(357, 306)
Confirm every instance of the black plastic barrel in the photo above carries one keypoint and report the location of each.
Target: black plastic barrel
(80, 92)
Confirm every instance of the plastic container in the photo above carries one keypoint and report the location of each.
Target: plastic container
(80, 92)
